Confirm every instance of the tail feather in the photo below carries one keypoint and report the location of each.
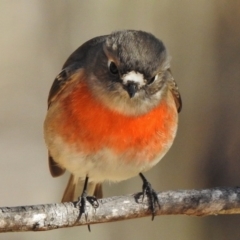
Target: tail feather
(68, 195)
(98, 192)
(75, 187)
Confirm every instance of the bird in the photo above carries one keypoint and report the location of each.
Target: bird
(112, 114)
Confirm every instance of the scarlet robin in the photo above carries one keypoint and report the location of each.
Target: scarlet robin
(112, 113)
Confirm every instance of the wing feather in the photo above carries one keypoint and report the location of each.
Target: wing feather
(74, 63)
(174, 90)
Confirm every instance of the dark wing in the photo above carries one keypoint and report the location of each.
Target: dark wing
(75, 62)
(54, 168)
(174, 90)
(61, 81)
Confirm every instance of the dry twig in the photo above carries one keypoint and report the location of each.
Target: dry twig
(189, 202)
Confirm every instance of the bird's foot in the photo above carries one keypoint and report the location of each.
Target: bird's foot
(81, 203)
(147, 190)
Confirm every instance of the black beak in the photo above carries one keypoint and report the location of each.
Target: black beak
(131, 88)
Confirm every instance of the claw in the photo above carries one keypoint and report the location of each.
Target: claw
(81, 203)
(151, 194)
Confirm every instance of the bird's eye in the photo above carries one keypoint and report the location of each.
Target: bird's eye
(113, 68)
(151, 80)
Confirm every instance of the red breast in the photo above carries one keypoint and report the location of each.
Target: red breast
(90, 126)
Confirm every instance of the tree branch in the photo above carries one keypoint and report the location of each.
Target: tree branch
(52, 216)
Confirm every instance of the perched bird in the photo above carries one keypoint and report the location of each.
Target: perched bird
(112, 113)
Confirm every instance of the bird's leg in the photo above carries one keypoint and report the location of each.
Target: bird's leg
(81, 203)
(151, 194)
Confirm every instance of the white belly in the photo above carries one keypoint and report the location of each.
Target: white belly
(105, 164)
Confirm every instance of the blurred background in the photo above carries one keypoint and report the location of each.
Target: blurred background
(203, 38)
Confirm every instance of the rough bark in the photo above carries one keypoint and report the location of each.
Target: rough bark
(52, 216)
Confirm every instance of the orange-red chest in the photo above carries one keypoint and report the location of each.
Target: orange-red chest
(89, 126)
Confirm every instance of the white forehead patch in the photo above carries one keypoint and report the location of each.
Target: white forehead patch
(133, 77)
